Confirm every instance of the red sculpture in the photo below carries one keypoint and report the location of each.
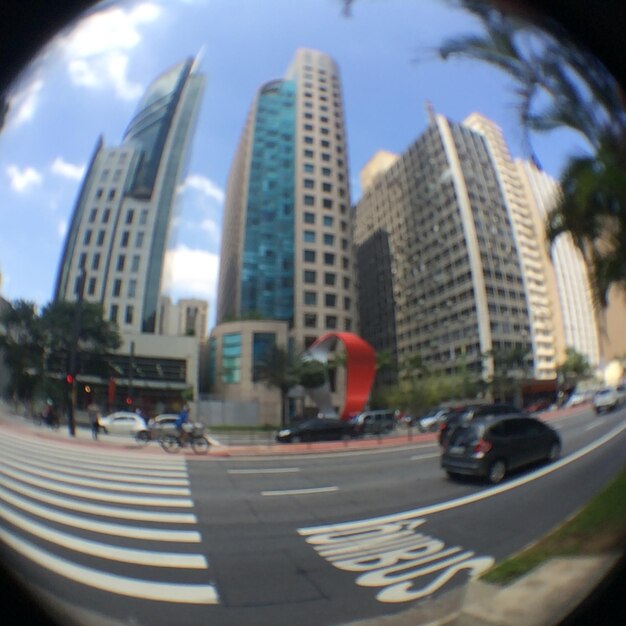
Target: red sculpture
(360, 368)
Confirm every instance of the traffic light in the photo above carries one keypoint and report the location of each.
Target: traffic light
(129, 400)
(69, 379)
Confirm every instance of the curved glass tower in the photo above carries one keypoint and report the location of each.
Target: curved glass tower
(120, 224)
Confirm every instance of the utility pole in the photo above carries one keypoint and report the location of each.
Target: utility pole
(71, 375)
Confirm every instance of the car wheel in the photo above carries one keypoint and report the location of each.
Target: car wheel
(142, 437)
(554, 453)
(497, 470)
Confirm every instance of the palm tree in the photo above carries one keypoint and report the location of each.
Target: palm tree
(582, 96)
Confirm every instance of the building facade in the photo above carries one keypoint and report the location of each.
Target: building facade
(530, 242)
(439, 274)
(115, 247)
(287, 240)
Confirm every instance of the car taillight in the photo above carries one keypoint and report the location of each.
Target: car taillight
(481, 448)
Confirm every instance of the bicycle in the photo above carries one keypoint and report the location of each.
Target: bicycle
(173, 442)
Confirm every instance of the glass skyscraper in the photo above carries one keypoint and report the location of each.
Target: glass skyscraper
(118, 233)
(287, 243)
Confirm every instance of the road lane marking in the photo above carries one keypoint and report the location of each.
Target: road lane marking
(98, 509)
(299, 492)
(276, 470)
(419, 457)
(105, 528)
(90, 494)
(111, 583)
(474, 497)
(102, 483)
(102, 550)
(61, 451)
(594, 424)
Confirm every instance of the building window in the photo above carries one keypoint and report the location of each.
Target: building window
(111, 195)
(329, 258)
(308, 154)
(132, 288)
(231, 358)
(331, 321)
(309, 218)
(309, 236)
(262, 346)
(139, 240)
(309, 168)
(328, 220)
(309, 256)
(309, 183)
(347, 303)
(121, 261)
(310, 320)
(91, 289)
(128, 318)
(330, 299)
(309, 200)
(95, 262)
(125, 236)
(87, 238)
(93, 215)
(329, 239)
(310, 298)
(106, 215)
(143, 218)
(117, 287)
(129, 216)
(100, 239)
(310, 276)
(113, 313)
(134, 267)
(327, 187)
(328, 203)
(348, 324)
(82, 259)
(329, 279)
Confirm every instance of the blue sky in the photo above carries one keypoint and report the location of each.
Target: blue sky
(88, 80)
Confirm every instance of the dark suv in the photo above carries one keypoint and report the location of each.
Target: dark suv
(489, 447)
(470, 412)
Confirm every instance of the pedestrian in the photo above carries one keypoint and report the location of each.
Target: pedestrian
(94, 419)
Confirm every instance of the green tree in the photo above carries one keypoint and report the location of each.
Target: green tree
(575, 367)
(280, 370)
(22, 348)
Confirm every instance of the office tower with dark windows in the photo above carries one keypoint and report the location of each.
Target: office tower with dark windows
(287, 238)
(438, 269)
(116, 242)
(119, 229)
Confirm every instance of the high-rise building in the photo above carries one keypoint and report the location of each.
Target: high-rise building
(287, 238)
(286, 246)
(438, 269)
(580, 327)
(120, 224)
(115, 247)
(530, 242)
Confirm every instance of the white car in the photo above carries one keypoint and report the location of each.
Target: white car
(606, 400)
(122, 423)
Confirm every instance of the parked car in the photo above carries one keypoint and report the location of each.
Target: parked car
(431, 421)
(468, 413)
(489, 447)
(606, 400)
(157, 427)
(578, 397)
(316, 429)
(373, 422)
(122, 423)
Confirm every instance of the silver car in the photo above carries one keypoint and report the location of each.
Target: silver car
(606, 400)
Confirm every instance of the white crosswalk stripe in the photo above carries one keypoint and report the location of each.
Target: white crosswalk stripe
(58, 503)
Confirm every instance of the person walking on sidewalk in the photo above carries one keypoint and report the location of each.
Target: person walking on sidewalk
(94, 419)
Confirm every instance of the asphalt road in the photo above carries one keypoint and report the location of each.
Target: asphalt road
(134, 537)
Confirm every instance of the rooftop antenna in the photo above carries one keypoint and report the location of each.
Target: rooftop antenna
(430, 111)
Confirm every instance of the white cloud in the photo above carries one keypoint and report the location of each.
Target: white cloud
(62, 228)
(97, 48)
(67, 170)
(23, 103)
(212, 227)
(22, 179)
(204, 185)
(191, 273)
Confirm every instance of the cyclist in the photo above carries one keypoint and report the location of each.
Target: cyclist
(183, 417)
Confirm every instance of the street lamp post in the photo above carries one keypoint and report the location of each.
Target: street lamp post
(71, 376)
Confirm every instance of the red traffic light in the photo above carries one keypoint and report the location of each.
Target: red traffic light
(129, 400)
(69, 379)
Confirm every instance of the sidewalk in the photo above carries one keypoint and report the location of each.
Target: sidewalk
(544, 597)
